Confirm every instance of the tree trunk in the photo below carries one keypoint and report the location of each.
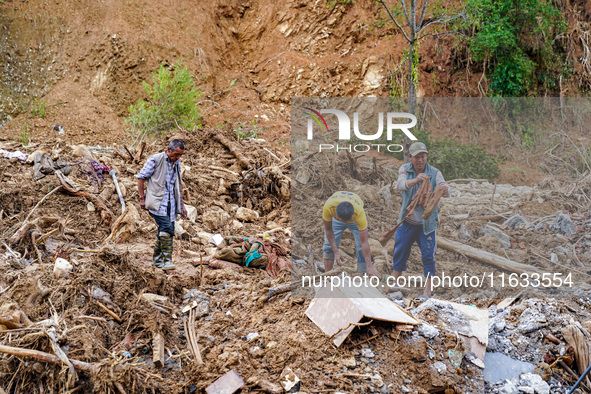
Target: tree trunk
(412, 94)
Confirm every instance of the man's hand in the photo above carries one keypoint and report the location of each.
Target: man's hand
(142, 202)
(338, 257)
(184, 214)
(373, 271)
(422, 177)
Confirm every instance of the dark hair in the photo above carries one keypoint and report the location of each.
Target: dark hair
(345, 210)
(176, 144)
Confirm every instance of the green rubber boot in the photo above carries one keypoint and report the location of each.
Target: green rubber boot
(157, 256)
(166, 243)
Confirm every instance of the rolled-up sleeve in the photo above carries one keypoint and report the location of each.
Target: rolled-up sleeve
(147, 170)
(440, 181)
(402, 177)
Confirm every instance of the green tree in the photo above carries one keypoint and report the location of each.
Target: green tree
(518, 40)
(172, 100)
(413, 21)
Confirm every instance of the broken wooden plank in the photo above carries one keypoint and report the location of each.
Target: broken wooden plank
(158, 350)
(486, 257)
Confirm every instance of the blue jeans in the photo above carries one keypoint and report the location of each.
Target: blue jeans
(338, 228)
(406, 235)
(163, 222)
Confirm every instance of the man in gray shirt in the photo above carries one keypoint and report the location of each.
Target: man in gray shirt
(163, 198)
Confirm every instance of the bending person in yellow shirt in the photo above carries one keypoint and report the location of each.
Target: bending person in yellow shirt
(341, 211)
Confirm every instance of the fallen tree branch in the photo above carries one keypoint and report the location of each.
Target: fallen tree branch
(486, 257)
(47, 357)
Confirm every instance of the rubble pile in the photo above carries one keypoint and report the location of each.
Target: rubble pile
(81, 307)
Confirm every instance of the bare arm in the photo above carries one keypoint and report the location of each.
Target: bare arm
(140, 191)
(332, 241)
(364, 238)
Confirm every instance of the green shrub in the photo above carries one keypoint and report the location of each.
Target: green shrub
(517, 39)
(243, 131)
(171, 100)
(38, 108)
(456, 160)
(463, 161)
(25, 135)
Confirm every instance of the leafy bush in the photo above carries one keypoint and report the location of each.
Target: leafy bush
(463, 161)
(25, 135)
(171, 100)
(38, 108)
(243, 131)
(517, 39)
(456, 160)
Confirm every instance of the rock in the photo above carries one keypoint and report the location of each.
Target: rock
(365, 352)
(215, 218)
(404, 389)
(509, 388)
(82, 151)
(246, 215)
(428, 331)
(500, 325)
(439, 367)
(347, 362)
(564, 224)
(62, 268)
(179, 231)
(465, 234)
(191, 213)
(515, 221)
(236, 225)
(252, 336)
(525, 389)
(396, 295)
(90, 207)
(534, 381)
(494, 232)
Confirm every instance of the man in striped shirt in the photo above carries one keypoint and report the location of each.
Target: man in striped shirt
(163, 198)
(415, 228)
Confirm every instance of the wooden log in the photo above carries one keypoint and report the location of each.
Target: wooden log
(242, 160)
(486, 257)
(158, 350)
